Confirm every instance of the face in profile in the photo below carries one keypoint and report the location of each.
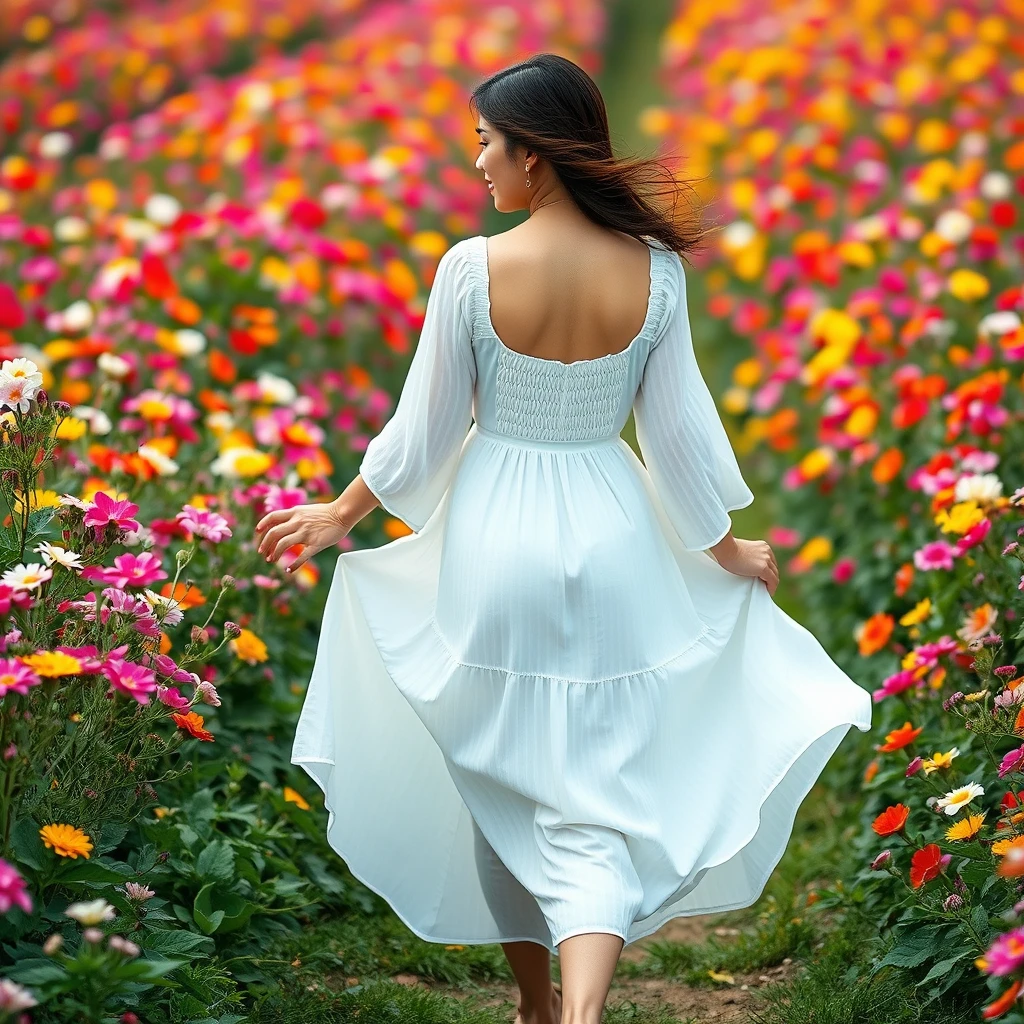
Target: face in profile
(505, 181)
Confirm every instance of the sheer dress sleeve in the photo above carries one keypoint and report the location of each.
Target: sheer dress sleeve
(409, 465)
(682, 438)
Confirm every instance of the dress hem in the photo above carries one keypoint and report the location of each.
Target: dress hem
(655, 923)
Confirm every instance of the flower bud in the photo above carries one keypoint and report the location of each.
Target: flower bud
(914, 766)
(42, 398)
(952, 700)
(93, 935)
(62, 408)
(227, 582)
(232, 629)
(881, 860)
(953, 902)
(53, 943)
(200, 635)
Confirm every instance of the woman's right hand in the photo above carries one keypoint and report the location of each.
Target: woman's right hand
(751, 558)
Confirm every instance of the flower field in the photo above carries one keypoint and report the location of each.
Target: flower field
(211, 281)
(213, 266)
(867, 295)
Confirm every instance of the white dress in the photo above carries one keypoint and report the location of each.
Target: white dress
(549, 710)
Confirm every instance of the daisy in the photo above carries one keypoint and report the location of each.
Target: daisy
(66, 841)
(956, 799)
(92, 912)
(55, 553)
(932, 764)
(27, 577)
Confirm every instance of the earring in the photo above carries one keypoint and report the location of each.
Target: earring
(527, 175)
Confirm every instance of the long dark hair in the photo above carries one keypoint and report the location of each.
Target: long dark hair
(553, 107)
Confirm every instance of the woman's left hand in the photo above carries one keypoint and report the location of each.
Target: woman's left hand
(315, 527)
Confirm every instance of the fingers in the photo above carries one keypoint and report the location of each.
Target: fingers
(286, 540)
(272, 536)
(273, 518)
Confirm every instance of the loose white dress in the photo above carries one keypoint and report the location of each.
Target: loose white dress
(549, 710)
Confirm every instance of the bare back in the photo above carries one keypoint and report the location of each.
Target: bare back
(567, 293)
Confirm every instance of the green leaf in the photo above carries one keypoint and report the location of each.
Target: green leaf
(942, 966)
(911, 952)
(97, 871)
(218, 910)
(27, 844)
(178, 942)
(110, 835)
(216, 862)
(36, 972)
(979, 922)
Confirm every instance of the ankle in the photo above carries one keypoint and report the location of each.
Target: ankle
(549, 1013)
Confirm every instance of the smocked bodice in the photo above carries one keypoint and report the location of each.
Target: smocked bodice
(531, 398)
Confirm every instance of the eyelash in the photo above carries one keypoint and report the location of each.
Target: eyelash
(483, 143)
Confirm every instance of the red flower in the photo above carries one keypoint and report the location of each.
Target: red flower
(307, 214)
(11, 313)
(1002, 1004)
(925, 865)
(156, 278)
(891, 820)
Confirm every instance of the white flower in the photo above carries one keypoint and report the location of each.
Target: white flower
(55, 553)
(98, 420)
(27, 577)
(1004, 321)
(256, 97)
(70, 499)
(338, 195)
(20, 381)
(77, 317)
(870, 229)
(71, 229)
(164, 465)
(738, 235)
(54, 145)
(189, 342)
(14, 997)
(995, 185)
(92, 912)
(956, 799)
(135, 229)
(954, 226)
(220, 422)
(114, 366)
(166, 609)
(162, 209)
(983, 488)
(275, 389)
(114, 148)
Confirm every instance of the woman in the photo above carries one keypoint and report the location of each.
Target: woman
(565, 709)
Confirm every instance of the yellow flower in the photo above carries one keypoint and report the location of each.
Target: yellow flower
(959, 518)
(52, 664)
(1000, 846)
(967, 285)
(965, 828)
(292, 796)
(66, 840)
(918, 613)
(932, 764)
(249, 647)
(71, 429)
(976, 696)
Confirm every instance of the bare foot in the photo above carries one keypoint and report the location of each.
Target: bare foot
(555, 1015)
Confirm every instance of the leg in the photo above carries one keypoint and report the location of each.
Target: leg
(587, 961)
(517, 913)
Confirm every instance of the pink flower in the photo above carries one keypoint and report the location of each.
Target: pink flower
(132, 680)
(171, 696)
(894, 684)
(89, 656)
(1006, 954)
(914, 766)
(936, 555)
(105, 510)
(210, 526)
(128, 571)
(207, 693)
(12, 889)
(1011, 762)
(16, 677)
(881, 860)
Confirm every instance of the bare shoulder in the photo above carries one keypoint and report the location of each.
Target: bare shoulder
(524, 243)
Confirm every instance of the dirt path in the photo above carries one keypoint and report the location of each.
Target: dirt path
(725, 1003)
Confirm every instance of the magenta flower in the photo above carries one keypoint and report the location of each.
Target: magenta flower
(914, 766)
(894, 684)
(88, 655)
(1011, 762)
(16, 677)
(936, 555)
(132, 680)
(171, 696)
(11, 598)
(974, 536)
(1006, 954)
(210, 526)
(12, 889)
(105, 510)
(128, 570)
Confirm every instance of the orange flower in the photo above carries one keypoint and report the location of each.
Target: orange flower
(192, 723)
(871, 771)
(1002, 1004)
(900, 738)
(925, 865)
(873, 635)
(891, 820)
(66, 841)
